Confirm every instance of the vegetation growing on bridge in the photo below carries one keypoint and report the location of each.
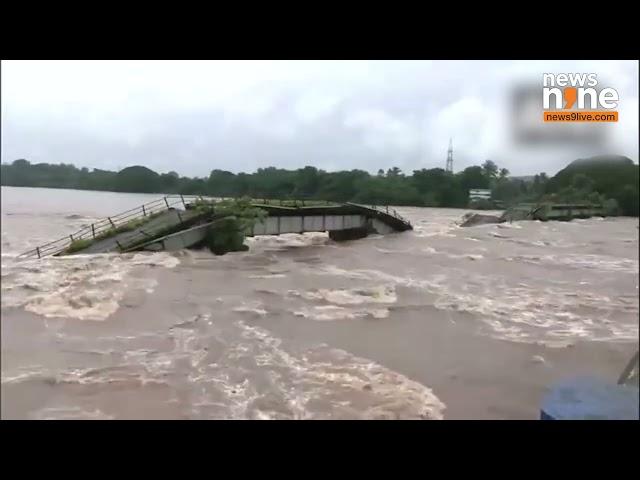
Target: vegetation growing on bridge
(241, 208)
(610, 177)
(235, 218)
(294, 203)
(226, 235)
(78, 245)
(232, 218)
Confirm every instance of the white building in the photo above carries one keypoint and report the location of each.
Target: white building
(479, 194)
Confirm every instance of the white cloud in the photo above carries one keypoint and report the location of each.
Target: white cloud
(383, 132)
(192, 116)
(314, 105)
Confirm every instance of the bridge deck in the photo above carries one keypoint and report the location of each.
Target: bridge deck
(298, 218)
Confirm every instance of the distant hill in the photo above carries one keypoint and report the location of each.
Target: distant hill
(138, 179)
(614, 176)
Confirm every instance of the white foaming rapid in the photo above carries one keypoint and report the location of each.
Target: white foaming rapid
(328, 383)
(288, 240)
(521, 312)
(468, 256)
(343, 304)
(70, 413)
(334, 312)
(435, 230)
(239, 372)
(603, 263)
(252, 308)
(514, 225)
(83, 287)
(388, 250)
(355, 296)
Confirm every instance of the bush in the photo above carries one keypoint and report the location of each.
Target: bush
(226, 235)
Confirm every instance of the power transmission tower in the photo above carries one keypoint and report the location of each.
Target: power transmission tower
(450, 157)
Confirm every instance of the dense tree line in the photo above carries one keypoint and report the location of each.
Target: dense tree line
(605, 179)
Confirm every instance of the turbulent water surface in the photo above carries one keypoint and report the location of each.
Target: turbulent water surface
(441, 322)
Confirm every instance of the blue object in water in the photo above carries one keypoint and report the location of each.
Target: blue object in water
(587, 398)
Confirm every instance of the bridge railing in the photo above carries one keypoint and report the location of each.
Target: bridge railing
(386, 210)
(305, 202)
(100, 227)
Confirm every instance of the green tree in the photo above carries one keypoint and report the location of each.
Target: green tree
(307, 182)
(474, 177)
(490, 169)
(581, 181)
(603, 179)
(628, 200)
(394, 172)
(138, 179)
(21, 163)
(221, 184)
(507, 191)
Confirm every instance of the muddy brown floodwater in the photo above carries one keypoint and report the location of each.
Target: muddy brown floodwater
(441, 322)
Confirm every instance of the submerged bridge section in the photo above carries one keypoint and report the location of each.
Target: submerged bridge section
(171, 224)
(329, 218)
(343, 222)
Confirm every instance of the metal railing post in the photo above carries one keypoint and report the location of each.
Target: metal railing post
(79, 234)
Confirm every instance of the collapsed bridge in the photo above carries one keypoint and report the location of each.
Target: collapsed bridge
(175, 222)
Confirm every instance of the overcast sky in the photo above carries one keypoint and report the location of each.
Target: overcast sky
(194, 116)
